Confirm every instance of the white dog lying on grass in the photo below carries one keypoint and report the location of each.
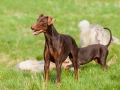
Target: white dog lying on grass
(94, 34)
(38, 66)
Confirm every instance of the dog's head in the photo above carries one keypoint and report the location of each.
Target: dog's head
(84, 25)
(42, 24)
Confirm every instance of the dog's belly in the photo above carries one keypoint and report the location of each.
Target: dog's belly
(85, 60)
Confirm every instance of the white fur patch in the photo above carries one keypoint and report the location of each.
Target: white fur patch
(94, 34)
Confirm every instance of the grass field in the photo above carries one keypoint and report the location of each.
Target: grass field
(17, 43)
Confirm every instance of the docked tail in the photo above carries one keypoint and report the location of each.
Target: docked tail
(110, 37)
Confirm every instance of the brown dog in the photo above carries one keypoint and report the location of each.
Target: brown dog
(97, 52)
(57, 46)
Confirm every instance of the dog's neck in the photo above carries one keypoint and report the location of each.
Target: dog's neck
(51, 33)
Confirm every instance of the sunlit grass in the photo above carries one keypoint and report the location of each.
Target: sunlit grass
(17, 43)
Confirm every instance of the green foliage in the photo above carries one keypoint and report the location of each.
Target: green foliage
(18, 43)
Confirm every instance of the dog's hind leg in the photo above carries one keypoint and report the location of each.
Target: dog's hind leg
(68, 67)
(95, 61)
(75, 65)
(103, 63)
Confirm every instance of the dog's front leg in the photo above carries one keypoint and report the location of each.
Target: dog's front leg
(46, 68)
(58, 68)
(47, 64)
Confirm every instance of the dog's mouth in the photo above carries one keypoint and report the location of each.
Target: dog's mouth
(36, 32)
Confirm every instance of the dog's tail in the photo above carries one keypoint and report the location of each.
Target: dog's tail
(115, 40)
(110, 37)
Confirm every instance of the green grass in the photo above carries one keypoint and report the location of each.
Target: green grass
(17, 43)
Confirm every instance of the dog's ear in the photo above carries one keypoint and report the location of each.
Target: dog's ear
(41, 15)
(50, 20)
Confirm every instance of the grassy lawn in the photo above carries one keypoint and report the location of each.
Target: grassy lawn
(17, 43)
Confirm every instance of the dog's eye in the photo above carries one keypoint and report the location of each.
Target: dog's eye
(41, 24)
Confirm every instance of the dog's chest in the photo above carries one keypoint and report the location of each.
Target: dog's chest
(52, 52)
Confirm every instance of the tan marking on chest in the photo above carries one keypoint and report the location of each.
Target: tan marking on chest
(53, 53)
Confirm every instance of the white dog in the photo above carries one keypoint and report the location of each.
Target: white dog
(94, 34)
(38, 66)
